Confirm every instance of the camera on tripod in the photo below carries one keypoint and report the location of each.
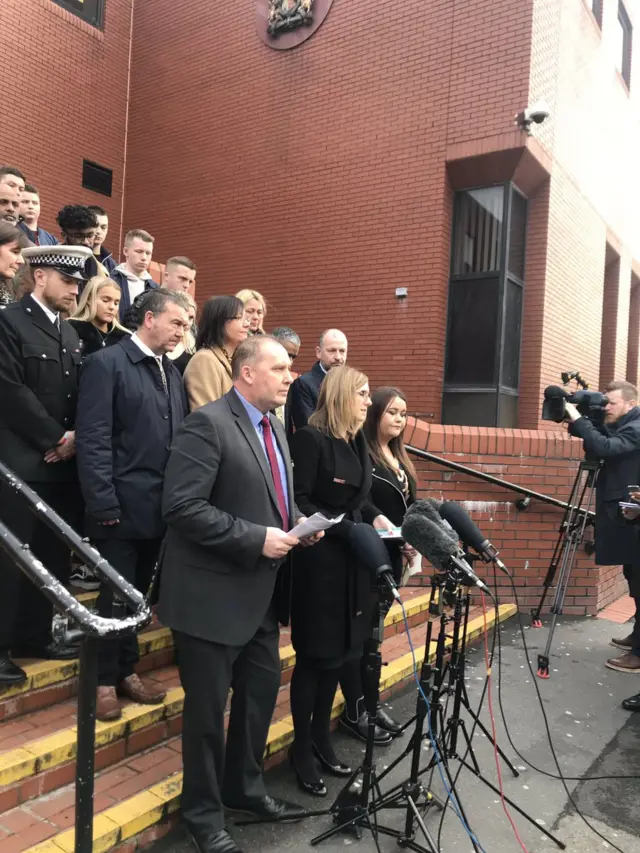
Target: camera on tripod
(590, 404)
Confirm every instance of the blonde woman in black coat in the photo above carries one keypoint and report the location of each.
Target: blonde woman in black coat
(332, 600)
(393, 490)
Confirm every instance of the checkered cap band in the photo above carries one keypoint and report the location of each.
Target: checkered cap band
(57, 260)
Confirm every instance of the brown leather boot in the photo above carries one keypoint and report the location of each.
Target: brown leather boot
(107, 705)
(139, 691)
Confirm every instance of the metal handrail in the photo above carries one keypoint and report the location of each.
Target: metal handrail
(489, 478)
(93, 629)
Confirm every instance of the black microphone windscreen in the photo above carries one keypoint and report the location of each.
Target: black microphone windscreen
(369, 547)
(552, 391)
(428, 539)
(461, 522)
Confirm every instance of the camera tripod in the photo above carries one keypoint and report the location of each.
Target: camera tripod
(577, 517)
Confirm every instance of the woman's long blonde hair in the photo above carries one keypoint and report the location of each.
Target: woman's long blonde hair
(335, 413)
(88, 302)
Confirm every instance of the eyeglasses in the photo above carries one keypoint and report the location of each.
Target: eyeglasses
(364, 394)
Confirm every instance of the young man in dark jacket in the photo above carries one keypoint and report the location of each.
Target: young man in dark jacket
(130, 404)
(102, 255)
(133, 275)
(30, 213)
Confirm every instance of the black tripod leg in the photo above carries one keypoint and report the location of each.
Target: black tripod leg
(478, 722)
(515, 806)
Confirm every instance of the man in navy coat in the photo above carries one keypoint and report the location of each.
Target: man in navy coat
(330, 352)
(131, 402)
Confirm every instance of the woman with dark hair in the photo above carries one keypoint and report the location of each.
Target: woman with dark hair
(222, 329)
(393, 490)
(12, 242)
(331, 602)
(96, 319)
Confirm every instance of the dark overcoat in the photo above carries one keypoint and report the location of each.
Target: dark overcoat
(303, 395)
(618, 446)
(332, 599)
(124, 429)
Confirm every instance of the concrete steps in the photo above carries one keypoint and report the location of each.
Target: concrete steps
(138, 762)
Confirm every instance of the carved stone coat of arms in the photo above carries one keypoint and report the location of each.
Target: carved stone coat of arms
(288, 15)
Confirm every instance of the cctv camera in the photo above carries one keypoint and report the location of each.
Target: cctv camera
(536, 113)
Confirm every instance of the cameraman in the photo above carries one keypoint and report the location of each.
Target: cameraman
(617, 444)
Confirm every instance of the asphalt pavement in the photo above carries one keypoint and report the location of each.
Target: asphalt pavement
(591, 733)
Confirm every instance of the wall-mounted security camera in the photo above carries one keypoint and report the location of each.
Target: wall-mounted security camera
(534, 114)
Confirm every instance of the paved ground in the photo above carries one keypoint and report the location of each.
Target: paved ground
(591, 733)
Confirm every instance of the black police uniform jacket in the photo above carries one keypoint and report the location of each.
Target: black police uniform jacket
(38, 390)
(618, 446)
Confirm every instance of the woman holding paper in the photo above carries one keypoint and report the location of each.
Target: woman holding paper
(332, 602)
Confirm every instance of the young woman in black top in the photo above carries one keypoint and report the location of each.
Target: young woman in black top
(332, 600)
(96, 319)
(393, 490)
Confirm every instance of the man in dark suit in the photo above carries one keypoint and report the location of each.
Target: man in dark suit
(39, 362)
(228, 504)
(330, 352)
(131, 403)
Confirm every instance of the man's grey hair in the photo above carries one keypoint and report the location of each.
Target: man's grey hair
(156, 301)
(326, 332)
(284, 333)
(249, 352)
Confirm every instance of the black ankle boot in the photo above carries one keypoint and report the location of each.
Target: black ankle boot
(359, 727)
(387, 722)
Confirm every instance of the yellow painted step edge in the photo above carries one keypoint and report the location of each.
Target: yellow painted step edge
(45, 753)
(128, 818)
(47, 673)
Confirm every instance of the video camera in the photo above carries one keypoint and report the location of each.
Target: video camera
(590, 404)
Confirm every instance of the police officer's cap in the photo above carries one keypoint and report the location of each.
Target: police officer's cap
(67, 260)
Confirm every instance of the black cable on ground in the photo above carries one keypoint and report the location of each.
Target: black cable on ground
(560, 777)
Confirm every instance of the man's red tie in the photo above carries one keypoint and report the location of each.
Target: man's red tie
(275, 470)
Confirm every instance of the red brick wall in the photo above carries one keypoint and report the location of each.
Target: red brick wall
(542, 461)
(64, 100)
(318, 175)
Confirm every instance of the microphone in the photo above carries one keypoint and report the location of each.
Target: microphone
(371, 550)
(435, 542)
(461, 522)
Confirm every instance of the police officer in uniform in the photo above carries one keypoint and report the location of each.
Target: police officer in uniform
(39, 363)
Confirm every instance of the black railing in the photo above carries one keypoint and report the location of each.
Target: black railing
(526, 495)
(90, 629)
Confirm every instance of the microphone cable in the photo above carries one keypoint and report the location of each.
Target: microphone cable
(451, 795)
(493, 721)
(560, 776)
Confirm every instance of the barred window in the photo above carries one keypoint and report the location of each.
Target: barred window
(91, 11)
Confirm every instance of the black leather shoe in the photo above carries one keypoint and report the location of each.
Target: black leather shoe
(386, 722)
(10, 672)
(315, 787)
(338, 769)
(52, 651)
(269, 808)
(632, 703)
(359, 728)
(217, 842)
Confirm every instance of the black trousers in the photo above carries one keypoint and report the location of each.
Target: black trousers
(632, 574)
(25, 614)
(135, 559)
(214, 775)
